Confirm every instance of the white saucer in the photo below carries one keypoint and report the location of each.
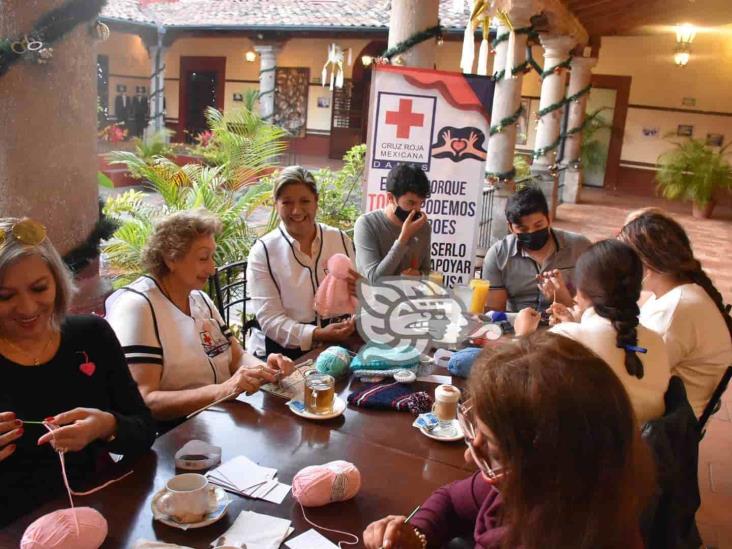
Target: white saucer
(218, 502)
(339, 405)
(457, 436)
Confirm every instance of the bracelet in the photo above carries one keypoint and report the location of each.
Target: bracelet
(422, 538)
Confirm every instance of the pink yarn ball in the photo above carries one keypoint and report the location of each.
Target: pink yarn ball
(57, 530)
(338, 265)
(322, 484)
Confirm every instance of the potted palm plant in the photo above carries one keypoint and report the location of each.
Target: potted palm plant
(694, 171)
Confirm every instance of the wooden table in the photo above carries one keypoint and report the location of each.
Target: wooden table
(399, 468)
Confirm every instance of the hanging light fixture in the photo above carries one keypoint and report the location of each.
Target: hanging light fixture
(681, 56)
(685, 34)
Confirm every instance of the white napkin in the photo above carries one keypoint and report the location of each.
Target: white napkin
(312, 539)
(242, 476)
(147, 544)
(256, 531)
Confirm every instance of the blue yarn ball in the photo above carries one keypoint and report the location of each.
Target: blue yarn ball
(333, 361)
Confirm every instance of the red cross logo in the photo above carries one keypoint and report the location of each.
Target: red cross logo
(404, 119)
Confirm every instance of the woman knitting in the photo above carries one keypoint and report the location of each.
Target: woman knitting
(560, 459)
(180, 352)
(608, 277)
(68, 371)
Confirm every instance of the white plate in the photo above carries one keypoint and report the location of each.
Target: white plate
(339, 405)
(218, 502)
(457, 436)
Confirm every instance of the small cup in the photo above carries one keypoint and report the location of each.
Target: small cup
(186, 498)
(319, 393)
(446, 402)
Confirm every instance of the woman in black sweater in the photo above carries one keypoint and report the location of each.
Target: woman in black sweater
(66, 370)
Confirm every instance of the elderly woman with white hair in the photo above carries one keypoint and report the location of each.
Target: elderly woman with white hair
(66, 371)
(180, 352)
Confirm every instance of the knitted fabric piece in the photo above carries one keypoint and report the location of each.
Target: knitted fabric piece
(376, 357)
(383, 373)
(333, 298)
(391, 396)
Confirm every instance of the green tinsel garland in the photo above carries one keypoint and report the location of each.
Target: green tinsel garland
(521, 67)
(47, 30)
(509, 120)
(565, 101)
(549, 148)
(566, 64)
(502, 176)
(412, 41)
(503, 37)
(84, 253)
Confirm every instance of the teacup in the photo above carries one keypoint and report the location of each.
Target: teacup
(186, 498)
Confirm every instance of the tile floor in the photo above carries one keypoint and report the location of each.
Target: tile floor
(600, 215)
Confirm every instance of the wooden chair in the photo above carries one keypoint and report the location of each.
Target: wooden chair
(715, 402)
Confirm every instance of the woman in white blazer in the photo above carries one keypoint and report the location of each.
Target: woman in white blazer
(287, 265)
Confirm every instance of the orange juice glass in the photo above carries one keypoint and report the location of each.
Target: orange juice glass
(480, 295)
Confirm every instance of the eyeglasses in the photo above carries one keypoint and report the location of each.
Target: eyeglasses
(26, 231)
(482, 460)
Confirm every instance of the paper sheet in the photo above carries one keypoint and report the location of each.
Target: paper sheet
(436, 379)
(312, 539)
(256, 531)
(242, 473)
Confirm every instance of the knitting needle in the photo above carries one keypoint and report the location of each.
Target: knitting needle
(32, 422)
(227, 397)
(406, 520)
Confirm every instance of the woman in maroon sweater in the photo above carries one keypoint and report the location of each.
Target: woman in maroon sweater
(560, 459)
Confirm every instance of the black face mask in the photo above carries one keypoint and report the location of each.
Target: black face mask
(534, 241)
(402, 214)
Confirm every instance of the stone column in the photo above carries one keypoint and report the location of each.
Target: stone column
(407, 18)
(157, 84)
(556, 50)
(267, 65)
(579, 79)
(48, 161)
(507, 93)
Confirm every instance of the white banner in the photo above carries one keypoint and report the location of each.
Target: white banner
(439, 121)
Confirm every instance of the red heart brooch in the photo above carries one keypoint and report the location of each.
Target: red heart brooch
(87, 367)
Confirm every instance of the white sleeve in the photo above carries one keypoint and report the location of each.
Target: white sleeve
(680, 338)
(267, 304)
(132, 318)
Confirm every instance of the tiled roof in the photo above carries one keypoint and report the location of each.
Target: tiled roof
(269, 13)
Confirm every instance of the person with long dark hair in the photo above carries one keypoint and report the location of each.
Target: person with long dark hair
(560, 459)
(609, 277)
(685, 308)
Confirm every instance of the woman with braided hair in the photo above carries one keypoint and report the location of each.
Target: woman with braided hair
(685, 308)
(608, 276)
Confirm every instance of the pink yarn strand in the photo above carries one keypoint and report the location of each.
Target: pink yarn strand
(71, 492)
(311, 523)
(65, 477)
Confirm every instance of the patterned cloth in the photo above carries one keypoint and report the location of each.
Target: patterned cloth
(391, 396)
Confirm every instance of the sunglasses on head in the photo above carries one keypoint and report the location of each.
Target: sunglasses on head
(478, 454)
(26, 231)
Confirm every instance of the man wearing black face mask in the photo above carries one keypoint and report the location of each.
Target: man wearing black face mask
(396, 239)
(518, 265)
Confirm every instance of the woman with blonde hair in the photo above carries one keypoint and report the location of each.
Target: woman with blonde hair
(66, 371)
(180, 352)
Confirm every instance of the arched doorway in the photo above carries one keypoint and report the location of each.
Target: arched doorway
(349, 115)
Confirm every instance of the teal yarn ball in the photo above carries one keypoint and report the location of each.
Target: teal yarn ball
(333, 361)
